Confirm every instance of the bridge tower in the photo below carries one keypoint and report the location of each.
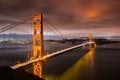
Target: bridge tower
(38, 48)
(90, 40)
(90, 37)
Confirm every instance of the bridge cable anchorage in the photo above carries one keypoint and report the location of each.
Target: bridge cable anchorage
(16, 24)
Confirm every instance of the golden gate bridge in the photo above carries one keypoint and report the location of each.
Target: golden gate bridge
(39, 56)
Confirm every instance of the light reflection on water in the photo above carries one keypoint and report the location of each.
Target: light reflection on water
(81, 70)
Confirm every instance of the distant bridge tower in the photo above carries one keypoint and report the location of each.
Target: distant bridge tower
(38, 48)
(91, 40)
(90, 37)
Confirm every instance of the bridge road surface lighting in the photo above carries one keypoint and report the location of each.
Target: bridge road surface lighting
(20, 65)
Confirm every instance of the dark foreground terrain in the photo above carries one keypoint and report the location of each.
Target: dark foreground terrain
(6, 73)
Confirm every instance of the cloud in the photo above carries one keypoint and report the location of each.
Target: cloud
(91, 15)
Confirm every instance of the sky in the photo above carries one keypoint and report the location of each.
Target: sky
(100, 17)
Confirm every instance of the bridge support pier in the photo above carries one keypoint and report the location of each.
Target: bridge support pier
(38, 48)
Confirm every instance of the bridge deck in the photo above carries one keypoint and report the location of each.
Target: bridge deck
(49, 55)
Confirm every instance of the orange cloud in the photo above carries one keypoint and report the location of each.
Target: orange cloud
(91, 13)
